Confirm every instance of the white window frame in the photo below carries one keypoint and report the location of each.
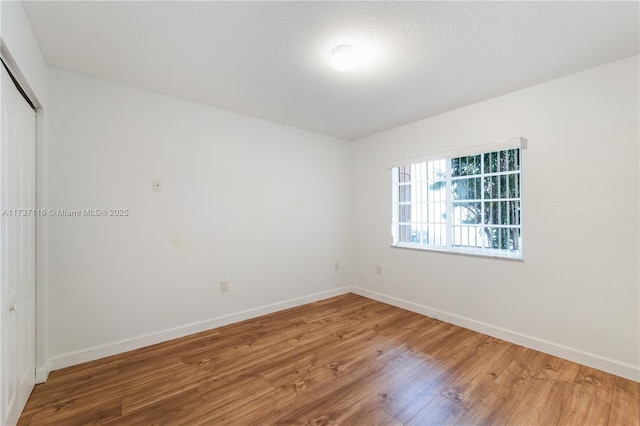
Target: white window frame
(447, 245)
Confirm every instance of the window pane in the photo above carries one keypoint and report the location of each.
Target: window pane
(404, 233)
(438, 169)
(514, 212)
(491, 212)
(438, 235)
(404, 213)
(514, 186)
(502, 161)
(491, 162)
(504, 186)
(503, 238)
(467, 213)
(415, 192)
(404, 174)
(465, 166)
(442, 217)
(467, 189)
(436, 188)
(467, 236)
(404, 193)
(502, 212)
(491, 187)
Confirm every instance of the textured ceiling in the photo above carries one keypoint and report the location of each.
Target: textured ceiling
(270, 59)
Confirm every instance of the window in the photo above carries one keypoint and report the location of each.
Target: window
(467, 202)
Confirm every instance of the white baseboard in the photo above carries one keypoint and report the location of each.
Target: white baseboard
(627, 371)
(592, 360)
(42, 373)
(102, 351)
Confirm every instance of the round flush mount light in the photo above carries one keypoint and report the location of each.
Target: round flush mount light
(343, 58)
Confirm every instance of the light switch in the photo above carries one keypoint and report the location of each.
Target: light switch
(157, 185)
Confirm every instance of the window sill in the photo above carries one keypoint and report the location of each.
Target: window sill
(495, 254)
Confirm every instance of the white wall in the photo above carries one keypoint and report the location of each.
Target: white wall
(20, 51)
(262, 205)
(576, 294)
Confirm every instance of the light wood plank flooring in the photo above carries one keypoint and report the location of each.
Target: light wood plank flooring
(347, 360)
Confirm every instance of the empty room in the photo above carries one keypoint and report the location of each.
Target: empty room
(319, 213)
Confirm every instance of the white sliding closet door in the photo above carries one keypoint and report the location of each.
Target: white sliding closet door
(17, 250)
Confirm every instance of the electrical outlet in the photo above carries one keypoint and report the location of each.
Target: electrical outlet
(379, 269)
(224, 286)
(337, 266)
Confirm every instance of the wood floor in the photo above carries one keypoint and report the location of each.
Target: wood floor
(346, 360)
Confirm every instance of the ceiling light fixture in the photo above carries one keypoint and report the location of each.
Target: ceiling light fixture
(343, 58)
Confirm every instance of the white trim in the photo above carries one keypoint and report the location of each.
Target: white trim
(42, 373)
(608, 365)
(466, 251)
(97, 352)
(502, 145)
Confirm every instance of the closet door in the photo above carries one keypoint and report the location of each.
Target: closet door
(17, 250)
